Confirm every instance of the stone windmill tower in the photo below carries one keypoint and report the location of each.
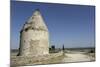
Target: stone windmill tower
(34, 36)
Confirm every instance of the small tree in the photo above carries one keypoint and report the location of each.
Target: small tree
(53, 47)
(63, 48)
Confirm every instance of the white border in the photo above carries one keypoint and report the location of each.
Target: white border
(5, 32)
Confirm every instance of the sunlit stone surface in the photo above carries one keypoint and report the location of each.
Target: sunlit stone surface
(34, 37)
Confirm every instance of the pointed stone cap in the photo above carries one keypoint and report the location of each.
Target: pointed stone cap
(36, 21)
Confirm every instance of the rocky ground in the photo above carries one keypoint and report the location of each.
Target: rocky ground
(53, 58)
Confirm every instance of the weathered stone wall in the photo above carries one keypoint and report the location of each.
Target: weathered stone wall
(34, 42)
(34, 37)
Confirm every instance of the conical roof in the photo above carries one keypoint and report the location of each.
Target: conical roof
(36, 21)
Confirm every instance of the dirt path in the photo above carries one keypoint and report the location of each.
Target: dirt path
(76, 57)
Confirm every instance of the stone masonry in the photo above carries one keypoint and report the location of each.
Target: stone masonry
(34, 37)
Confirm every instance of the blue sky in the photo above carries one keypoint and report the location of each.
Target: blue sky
(71, 25)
